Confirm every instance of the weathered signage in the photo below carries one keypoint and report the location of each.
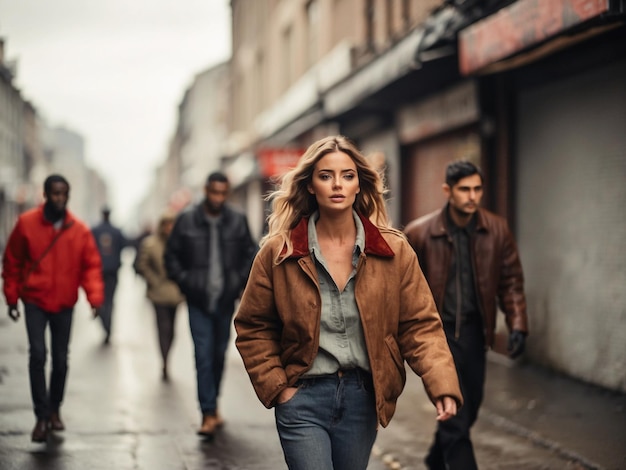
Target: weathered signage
(521, 25)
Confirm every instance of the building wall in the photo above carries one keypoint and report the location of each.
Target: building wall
(11, 151)
(203, 117)
(382, 150)
(195, 148)
(571, 168)
(277, 44)
(424, 169)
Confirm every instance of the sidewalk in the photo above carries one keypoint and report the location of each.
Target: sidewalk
(530, 419)
(580, 421)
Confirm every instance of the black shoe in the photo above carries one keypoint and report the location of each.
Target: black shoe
(55, 422)
(40, 431)
(434, 462)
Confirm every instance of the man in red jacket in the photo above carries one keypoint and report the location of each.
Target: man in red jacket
(49, 255)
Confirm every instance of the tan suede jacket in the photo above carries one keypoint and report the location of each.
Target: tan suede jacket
(160, 289)
(278, 321)
(497, 268)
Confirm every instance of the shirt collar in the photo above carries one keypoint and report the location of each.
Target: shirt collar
(454, 228)
(314, 246)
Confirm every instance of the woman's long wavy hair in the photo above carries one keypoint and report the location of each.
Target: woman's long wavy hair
(292, 201)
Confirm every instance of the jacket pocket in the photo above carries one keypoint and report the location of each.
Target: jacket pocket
(37, 284)
(395, 374)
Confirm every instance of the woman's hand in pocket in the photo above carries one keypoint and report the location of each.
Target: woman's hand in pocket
(286, 394)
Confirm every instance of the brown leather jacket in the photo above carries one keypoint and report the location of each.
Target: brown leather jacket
(278, 321)
(497, 268)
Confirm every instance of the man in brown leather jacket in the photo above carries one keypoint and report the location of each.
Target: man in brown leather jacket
(470, 260)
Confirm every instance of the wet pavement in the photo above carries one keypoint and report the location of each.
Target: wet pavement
(531, 419)
(120, 415)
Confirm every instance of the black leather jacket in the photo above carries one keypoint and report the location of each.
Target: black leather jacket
(186, 256)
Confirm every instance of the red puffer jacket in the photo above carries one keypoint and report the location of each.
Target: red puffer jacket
(72, 262)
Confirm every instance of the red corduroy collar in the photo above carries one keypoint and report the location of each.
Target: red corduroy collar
(375, 244)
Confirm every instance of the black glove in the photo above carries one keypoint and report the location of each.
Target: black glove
(14, 313)
(517, 343)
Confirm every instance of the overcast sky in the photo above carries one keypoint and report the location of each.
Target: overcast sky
(115, 72)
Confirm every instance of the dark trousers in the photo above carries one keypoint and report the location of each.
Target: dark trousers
(165, 316)
(106, 315)
(452, 448)
(210, 333)
(45, 402)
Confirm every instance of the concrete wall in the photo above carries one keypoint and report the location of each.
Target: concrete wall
(570, 178)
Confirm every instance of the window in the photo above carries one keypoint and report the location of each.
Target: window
(369, 24)
(288, 57)
(313, 26)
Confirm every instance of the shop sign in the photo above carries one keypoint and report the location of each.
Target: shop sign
(445, 111)
(277, 161)
(521, 25)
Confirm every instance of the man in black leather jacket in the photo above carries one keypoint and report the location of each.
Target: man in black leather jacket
(209, 254)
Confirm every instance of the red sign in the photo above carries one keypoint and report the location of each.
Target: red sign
(277, 161)
(520, 25)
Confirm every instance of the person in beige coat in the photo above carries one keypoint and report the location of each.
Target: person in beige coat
(163, 292)
(334, 306)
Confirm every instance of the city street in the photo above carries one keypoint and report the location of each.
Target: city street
(120, 415)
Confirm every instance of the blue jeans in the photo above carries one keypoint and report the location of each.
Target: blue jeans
(210, 333)
(44, 401)
(330, 423)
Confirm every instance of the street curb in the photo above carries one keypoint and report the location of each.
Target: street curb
(514, 428)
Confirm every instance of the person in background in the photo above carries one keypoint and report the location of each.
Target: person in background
(146, 231)
(334, 306)
(111, 242)
(163, 292)
(470, 260)
(208, 254)
(49, 255)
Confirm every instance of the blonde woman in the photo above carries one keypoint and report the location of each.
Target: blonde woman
(163, 292)
(334, 305)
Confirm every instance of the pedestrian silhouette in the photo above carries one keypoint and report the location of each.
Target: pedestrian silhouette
(49, 255)
(110, 241)
(208, 254)
(470, 260)
(162, 292)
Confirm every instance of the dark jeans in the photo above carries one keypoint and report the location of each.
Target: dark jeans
(60, 326)
(210, 333)
(106, 315)
(165, 316)
(452, 448)
(330, 423)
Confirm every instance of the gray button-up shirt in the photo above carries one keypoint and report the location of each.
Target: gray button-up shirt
(342, 342)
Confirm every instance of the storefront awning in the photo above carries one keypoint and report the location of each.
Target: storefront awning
(390, 66)
(520, 26)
